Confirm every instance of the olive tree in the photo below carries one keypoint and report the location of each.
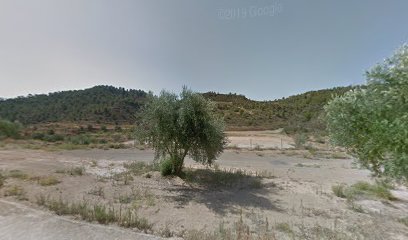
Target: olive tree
(372, 121)
(182, 125)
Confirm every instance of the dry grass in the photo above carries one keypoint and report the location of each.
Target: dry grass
(96, 212)
(16, 191)
(18, 174)
(222, 178)
(363, 190)
(73, 171)
(48, 181)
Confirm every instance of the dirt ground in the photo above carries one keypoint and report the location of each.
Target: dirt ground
(294, 195)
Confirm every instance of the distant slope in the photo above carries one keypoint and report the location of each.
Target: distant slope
(296, 113)
(107, 104)
(100, 103)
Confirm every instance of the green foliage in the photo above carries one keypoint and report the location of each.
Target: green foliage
(9, 129)
(177, 126)
(105, 103)
(166, 167)
(372, 121)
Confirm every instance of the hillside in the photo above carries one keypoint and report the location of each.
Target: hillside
(107, 104)
(100, 103)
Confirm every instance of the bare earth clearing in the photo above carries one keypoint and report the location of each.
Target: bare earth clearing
(289, 190)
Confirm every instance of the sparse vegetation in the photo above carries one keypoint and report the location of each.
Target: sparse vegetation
(76, 171)
(363, 190)
(300, 140)
(97, 191)
(16, 191)
(96, 212)
(139, 168)
(222, 178)
(48, 181)
(15, 173)
(2, 179)
(284, 227)
(404, 221)
(239, 231)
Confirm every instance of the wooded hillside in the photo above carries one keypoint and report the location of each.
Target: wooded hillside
(107, 104)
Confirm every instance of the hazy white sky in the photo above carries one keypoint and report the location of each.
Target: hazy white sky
(263, 49)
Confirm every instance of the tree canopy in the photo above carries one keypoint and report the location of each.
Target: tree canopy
(180, 126)
(372, 121)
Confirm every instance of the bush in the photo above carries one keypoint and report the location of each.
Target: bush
(338, 190)
(166, 167)
(48, 181)
(300, 140)
(38, 136)
(81, 140)
(53, 138)
(9, 129)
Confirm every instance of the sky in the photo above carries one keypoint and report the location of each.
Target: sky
(262, 49)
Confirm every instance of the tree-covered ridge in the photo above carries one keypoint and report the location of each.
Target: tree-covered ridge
(300, 112)
(107, 104)
(100, 103)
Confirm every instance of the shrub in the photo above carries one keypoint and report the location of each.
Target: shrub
(53, 138)
(166, 167)
(48, 181)
(338, 190)
(80, 140)
(38, 136)
(300, 140)
(16, 191)
(10, 129)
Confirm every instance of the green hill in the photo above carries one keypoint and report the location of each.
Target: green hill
(107, 104)
(100, 103)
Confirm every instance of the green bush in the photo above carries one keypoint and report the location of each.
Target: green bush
(10, 129)
(81, 140)
(38, 136)
(53, 138)
(166, 167)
